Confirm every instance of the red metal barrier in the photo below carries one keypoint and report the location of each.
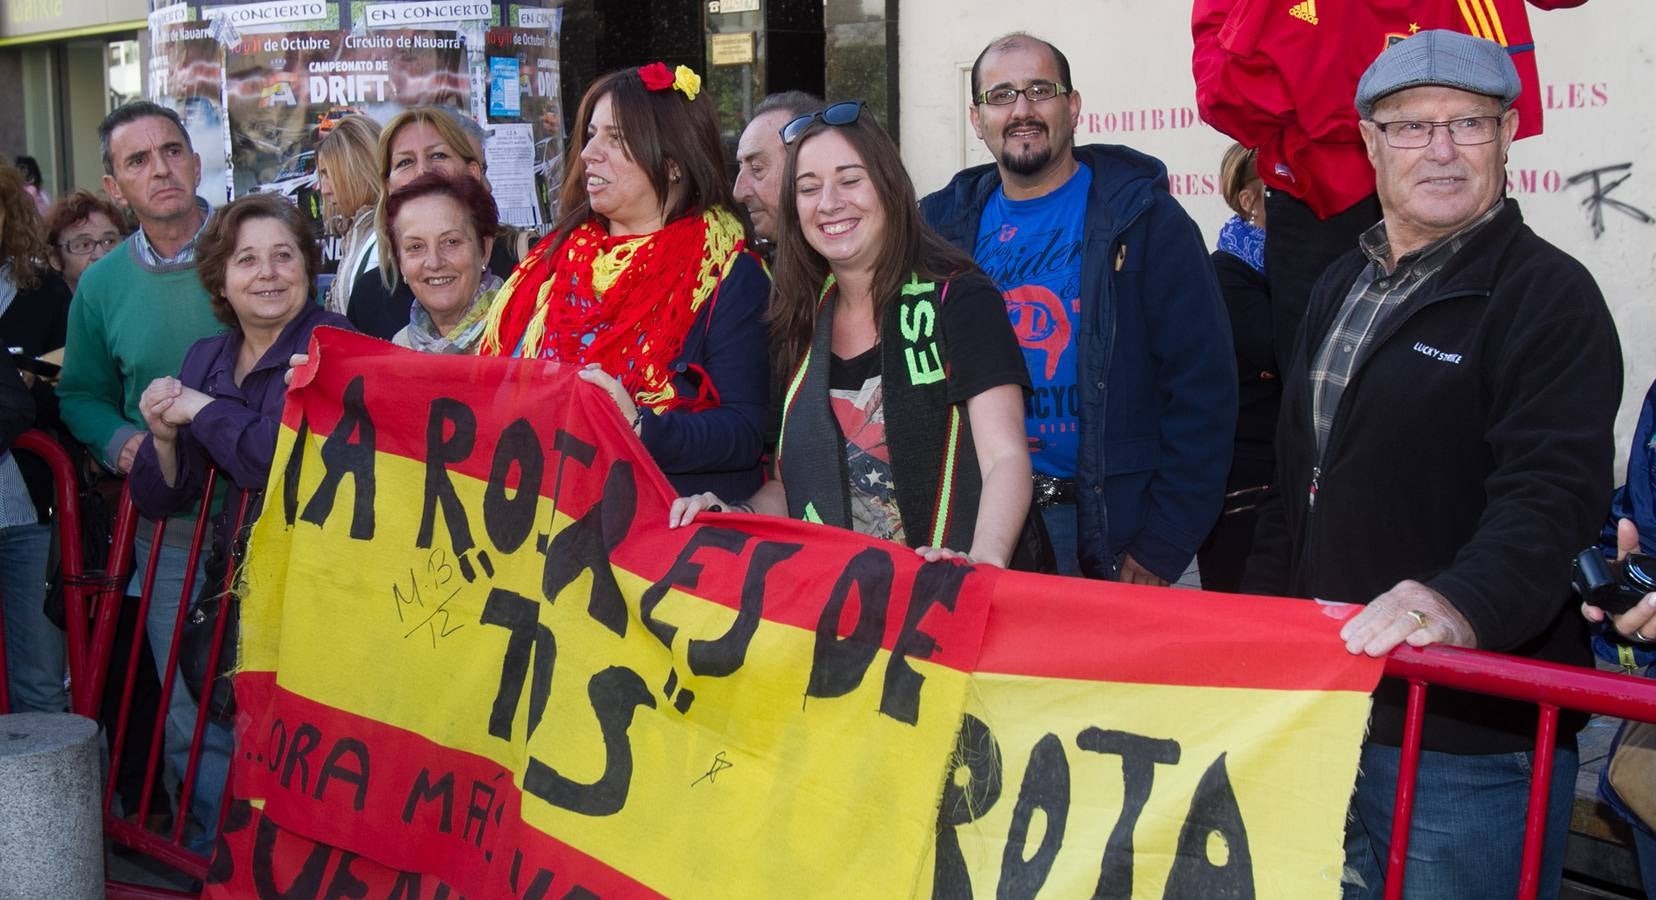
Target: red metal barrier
(66, 503)
(1549, 686)
(92, 606)
(170, 847)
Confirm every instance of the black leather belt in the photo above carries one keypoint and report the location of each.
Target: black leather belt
(1050, 491)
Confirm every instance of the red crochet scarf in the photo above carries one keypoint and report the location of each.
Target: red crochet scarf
(626, 303)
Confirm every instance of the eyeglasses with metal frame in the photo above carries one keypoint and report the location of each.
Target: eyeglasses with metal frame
(83, 245)
(1467, 131)
(1036, 92)
(842, 113)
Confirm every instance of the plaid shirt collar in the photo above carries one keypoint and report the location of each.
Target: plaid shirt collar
(185, 255)
(1376, 245)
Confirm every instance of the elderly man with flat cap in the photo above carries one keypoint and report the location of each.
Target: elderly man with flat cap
(1444, 449)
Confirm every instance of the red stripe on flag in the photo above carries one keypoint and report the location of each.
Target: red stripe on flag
(1146, 635)
(299, 756)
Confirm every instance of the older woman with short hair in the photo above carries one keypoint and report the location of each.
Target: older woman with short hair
(440, 231)
(416, 142)
(258, 261)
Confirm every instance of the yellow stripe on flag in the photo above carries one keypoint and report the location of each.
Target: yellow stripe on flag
(1097, 749)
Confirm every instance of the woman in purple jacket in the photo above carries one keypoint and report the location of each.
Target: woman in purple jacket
(258, 261)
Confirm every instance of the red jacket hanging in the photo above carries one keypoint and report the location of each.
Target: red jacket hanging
(1281, 75)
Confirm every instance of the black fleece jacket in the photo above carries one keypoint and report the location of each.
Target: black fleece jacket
(1472, 451)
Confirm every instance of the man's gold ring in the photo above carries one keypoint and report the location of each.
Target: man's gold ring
(1418, 617)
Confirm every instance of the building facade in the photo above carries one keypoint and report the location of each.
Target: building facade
(63, 65)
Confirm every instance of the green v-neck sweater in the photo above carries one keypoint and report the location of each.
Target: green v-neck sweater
(129, 324)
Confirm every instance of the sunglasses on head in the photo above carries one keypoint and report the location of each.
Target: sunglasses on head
(842, 113)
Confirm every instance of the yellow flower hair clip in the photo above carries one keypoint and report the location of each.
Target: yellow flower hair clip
(686, 82)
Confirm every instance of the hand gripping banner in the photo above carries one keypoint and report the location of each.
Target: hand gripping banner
(476, 662)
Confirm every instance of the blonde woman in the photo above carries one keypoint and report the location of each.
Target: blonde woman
(347, 177)
(417, 141)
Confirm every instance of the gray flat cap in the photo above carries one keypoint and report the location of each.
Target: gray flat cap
(1443, 58)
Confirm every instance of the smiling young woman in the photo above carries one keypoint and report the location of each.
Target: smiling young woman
(885, 429)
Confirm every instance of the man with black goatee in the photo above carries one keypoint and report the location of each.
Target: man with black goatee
(1119, 314)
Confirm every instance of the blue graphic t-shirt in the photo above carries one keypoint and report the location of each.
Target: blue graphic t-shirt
(1032, 250)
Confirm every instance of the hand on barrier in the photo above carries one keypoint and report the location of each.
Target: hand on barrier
(185, 407)
(1409, 613)
(1636, 623)
(1133, 573)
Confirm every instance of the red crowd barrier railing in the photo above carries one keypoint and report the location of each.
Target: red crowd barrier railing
(93, 600)
(1550, 686)
(66, 504)
(169, 848)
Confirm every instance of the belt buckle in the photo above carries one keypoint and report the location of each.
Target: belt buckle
(1049, 491)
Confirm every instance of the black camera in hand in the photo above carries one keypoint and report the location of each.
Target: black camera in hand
(1614, 587)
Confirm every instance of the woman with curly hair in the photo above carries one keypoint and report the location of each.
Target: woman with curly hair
(34, 302)
(648, 283)
(34, 314)
(81, 228)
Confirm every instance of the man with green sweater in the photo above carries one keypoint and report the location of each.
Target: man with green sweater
(135, 313)
(139, 308)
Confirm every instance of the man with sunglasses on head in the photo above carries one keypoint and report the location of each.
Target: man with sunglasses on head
(1116, 305)
(1444, 449)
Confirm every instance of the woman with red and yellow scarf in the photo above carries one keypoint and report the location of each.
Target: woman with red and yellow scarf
(647, 281)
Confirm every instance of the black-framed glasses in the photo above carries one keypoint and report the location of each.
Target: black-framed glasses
(83, 245)
(1468, 131)
(843, 113)
(1035, 93)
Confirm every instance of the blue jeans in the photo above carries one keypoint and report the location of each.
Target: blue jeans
(34, 646)
(1063, 531)
(218, 741)
(1467, 838)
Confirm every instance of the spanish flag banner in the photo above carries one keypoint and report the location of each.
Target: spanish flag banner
(476, 662)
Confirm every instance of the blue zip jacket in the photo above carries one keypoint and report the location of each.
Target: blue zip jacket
(1157, 372)
(1636, 499)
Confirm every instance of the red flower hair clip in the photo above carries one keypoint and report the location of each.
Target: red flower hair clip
(656, 76)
